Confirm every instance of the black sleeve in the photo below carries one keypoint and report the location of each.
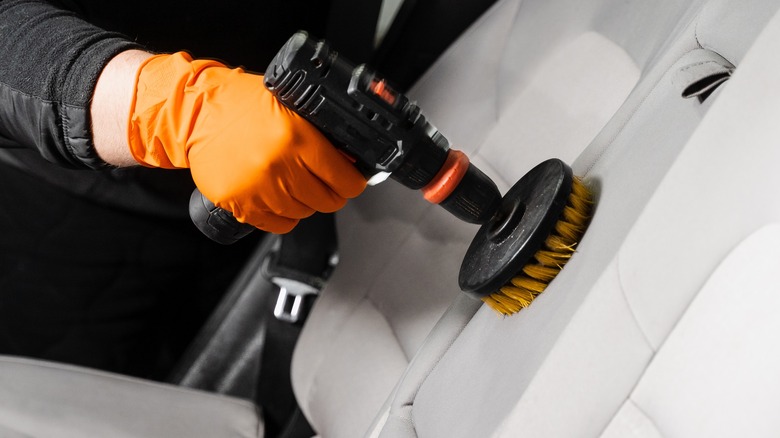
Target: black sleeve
(50, 60)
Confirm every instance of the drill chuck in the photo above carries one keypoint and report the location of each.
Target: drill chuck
(475, 199)
(463, 190)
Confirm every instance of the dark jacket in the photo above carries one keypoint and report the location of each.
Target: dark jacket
(53, 51)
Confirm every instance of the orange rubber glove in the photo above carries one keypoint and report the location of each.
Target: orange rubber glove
(248, 153)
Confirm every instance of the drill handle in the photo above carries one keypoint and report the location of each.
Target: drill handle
(216, 223)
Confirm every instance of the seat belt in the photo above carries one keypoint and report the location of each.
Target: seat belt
(300, 263)
(243, 350)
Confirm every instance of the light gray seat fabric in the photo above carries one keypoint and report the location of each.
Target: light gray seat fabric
(530, 80)
(566, 366)
(711, 318)
(40, 399)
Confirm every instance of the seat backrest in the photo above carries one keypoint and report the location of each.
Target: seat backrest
(711, 229)
(530, 80)
(566, 366)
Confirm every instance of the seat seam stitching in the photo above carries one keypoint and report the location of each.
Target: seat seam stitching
(631, 310)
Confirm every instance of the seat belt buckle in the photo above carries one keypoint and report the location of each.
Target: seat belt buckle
(297, 279)
(290, 302)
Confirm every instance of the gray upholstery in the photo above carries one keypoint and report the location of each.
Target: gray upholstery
(579, 351)
(400, 256)
(516, 89)
(40, 399)
(712, 323)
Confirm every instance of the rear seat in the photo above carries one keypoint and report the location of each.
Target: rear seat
(604, 350)
(565, 366)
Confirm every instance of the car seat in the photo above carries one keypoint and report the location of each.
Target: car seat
(565, 366)
(531, 80)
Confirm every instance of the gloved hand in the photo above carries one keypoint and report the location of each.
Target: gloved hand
(248, 153)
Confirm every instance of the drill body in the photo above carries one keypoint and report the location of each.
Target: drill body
(377, 127)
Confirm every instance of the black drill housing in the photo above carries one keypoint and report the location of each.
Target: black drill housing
(372, 123)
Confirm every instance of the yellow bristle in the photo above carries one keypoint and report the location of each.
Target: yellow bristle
(528, 283)
(580, 204)
(558, 243)
(541, 272)
(579, 190)
(502, 304)
(552, 258)
(569, 230)
(492, 303)
(558, 248)
(522, 296)
(571, 215)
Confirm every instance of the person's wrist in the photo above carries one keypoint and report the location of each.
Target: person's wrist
(110, 108)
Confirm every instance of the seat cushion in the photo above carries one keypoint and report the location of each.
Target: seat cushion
(41, 399)
(722, 356)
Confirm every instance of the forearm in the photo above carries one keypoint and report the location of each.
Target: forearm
(51, 63)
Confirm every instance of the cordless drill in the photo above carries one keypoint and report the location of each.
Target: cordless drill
(380, 129)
